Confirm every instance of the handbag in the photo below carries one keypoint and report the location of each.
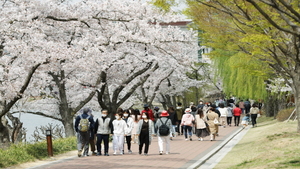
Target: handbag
(216, 121)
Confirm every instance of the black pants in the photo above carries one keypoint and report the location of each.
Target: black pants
(236, 120)
(179, 127)
(229, 119)
(253, 119)
(128, 142)
(105, 138)
(144, 139)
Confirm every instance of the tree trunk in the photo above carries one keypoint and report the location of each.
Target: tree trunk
(69, 126)
(297, 100)
(4, 134)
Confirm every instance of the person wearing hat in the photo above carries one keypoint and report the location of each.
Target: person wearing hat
(149, 111)
(161, 133)
(187, 123)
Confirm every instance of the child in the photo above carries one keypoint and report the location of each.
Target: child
(119, 127)
(245, 120)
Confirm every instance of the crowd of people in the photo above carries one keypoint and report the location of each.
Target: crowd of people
(135, 126)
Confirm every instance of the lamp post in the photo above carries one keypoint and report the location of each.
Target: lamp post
(49, 143)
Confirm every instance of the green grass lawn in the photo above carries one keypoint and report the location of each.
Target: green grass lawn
(270, 145)
(22, 153)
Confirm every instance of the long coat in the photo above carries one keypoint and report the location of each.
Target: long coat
(151, 129)
(211, 117)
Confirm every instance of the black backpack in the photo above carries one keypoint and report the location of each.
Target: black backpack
(163, 129)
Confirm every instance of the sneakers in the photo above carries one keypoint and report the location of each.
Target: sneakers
(106, 154)
(167, 152)
(201, 139)
(98, 154)
(129, 152)
(79, 153)
(115, 153)
(160, 153)
(186, 139)
(190, 138)
(145, 154)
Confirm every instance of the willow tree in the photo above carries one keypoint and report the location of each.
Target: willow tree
(265, 34)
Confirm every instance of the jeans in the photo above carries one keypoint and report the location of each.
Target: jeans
(187, 130)
(174, 127)
(105, 138)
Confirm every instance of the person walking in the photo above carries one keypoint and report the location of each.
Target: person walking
(247, 105)
(164, 128)
(119, 127)
(212, 116)
(149, 112)
(200, 125)
(83, 125)
(145, 130)
(229, 114)
(174, 120)
(179, 112)
(92, 141)
(237, 115)
(254, 110)
(128, 130)
(242, 106)
(136, 118)
(223, 114)
(187, 123)
(156, 116)
(102, 130)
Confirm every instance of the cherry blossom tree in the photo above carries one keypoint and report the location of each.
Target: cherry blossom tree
(108, 48)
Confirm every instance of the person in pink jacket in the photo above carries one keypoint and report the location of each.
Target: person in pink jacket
(187, 123)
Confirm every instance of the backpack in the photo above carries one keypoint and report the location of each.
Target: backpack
(188, 120)
(84, 124)
(163, 129)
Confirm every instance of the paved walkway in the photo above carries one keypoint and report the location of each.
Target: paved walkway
(184, 154)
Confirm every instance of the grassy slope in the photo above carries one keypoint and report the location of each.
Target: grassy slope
(270, 145)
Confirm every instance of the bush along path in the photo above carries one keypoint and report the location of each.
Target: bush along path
(22, 153)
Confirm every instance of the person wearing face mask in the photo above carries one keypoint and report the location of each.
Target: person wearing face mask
(102, 130)
(145, 130)
(128, 130)
(119, 127)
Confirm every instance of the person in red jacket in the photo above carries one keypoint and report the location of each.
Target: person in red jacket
(237, 115)
(149, 111)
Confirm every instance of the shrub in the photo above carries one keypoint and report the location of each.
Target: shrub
(285, 114)
(21, 153)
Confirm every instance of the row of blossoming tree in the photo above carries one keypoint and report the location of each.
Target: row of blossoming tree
(59, 56)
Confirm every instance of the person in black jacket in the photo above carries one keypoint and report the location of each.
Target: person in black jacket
(174, 120)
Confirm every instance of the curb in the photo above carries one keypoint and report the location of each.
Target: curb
(202, 160)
